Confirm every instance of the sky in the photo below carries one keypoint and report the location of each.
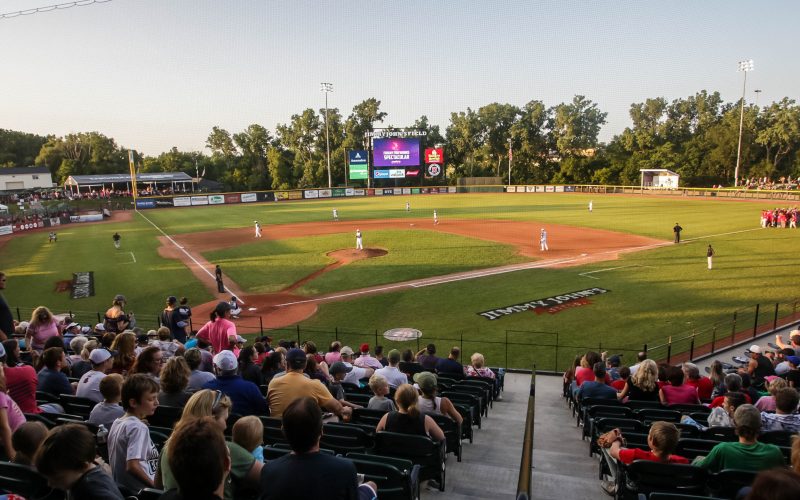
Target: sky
(154, 74)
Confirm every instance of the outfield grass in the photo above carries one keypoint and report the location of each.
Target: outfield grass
(271, 265)
(646, 304)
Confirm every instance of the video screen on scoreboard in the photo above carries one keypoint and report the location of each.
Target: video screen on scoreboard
(396, 152)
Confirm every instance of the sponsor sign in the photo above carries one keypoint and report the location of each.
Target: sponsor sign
(349, 191)
(55, 221)
(511, 189)
(396, 152)
(402, 334)
(145, 203)
(249, 197)
(380, 174)
(434, 170)
(520, 189)
(406, 190)
(182, 201)
(325, 193)
(232, 198)
(339, 192)
(434, 155)
(270, 196)
(216, 199)
(370, 192)
(569, 189)
(412, 172)
(549, 189)
(413, 191)
(82, 285)
(388, 192)
(397, 173)
(378, 192)
(311, 193)
(359, 192)
(86, 218)
(559, 189)
(443, 190)
(199, 200)
(164, 202)
(452, 189)
(298, 195)
(550, 305)
(424, 190)
(359, 168)
(4, 230)
(281, 195)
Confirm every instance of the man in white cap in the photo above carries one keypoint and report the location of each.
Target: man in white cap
(359, 241)
(357, 373)
(71, 331)
(758, 367)
(245, 395)
(89, 384)
(543, 240)
(99, 329)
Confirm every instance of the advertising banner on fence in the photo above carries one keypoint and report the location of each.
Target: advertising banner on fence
(338, 192)
(4, 230)
(559, 189)
(452, 189)
(249, 197)
(199, 200)
(182, 201)
(325, 193)
(86, 218)
(406, 190)
(359, 192)
(216, 199)
(511, 189)
(359, 169)
(232, 198)
(380, 174)
(281, 195)
(348, 192)
(397, 173)
(388, 192)
(549, 189)
(569, 189)
(415, 191)
(296, 195)
(145, 203)
(530, 189)
(310, 194)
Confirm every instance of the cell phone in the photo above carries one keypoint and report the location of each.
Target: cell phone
(360, 478)
(327, 414)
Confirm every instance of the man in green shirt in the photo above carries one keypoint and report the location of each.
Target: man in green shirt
(747, 453)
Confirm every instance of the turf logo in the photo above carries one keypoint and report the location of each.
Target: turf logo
(82, 285)
(551, 305)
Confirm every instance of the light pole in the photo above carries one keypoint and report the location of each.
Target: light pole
(509, 161)
(326, 88)
(758, 94)
(744, 66)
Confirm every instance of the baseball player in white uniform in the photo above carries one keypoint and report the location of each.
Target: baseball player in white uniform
(335, 214)
(408, 207)
(590, 205)
(258, 229)
(543, 241)
(435, 217)
(359, 242)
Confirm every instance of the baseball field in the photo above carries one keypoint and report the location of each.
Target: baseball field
(483, 256)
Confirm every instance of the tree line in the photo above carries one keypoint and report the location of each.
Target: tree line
(695, 136)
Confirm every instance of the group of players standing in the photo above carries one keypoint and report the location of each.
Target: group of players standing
(780, 217)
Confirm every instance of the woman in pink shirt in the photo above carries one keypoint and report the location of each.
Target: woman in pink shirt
(676, 392)
(42, 326)
(220, 332)
(11, 417)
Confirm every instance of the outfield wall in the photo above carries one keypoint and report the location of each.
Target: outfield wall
(191, 200)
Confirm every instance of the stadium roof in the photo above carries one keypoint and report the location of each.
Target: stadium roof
(93, 180)
(24, 170)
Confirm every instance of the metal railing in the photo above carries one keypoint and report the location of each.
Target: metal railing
(524, 484)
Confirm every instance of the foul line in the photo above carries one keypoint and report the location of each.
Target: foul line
(724, 234)
(133, 257)
(186, 253)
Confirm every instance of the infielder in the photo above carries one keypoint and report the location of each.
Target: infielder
(590, 206)
(408, 207)
(258, 229)
(335, 215)
(359, 242)
(435, 217)
(710, 256)
(543, 241)
(677, 231)
(116, 238)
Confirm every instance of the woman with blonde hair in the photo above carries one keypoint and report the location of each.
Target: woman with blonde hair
(408, 419)
(643, 385)
(477, 368)
(174, 379)
(41, 327)
(124, 344)
(245, 469)
(115, 319)
(767, 403)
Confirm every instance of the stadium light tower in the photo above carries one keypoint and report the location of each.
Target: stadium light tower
(758, 94)
(745, 67)
(327, 88)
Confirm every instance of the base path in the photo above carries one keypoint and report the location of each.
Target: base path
(569, 246)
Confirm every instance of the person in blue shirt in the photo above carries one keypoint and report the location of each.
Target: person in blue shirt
(51, 379)
(597, 388)
(450, 364)
(245, 395)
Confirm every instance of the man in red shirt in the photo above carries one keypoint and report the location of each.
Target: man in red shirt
(704, 385)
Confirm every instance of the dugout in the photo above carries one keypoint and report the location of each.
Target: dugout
(659, 178)
(174, 182)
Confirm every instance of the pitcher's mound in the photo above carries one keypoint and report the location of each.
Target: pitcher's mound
(350, 254)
